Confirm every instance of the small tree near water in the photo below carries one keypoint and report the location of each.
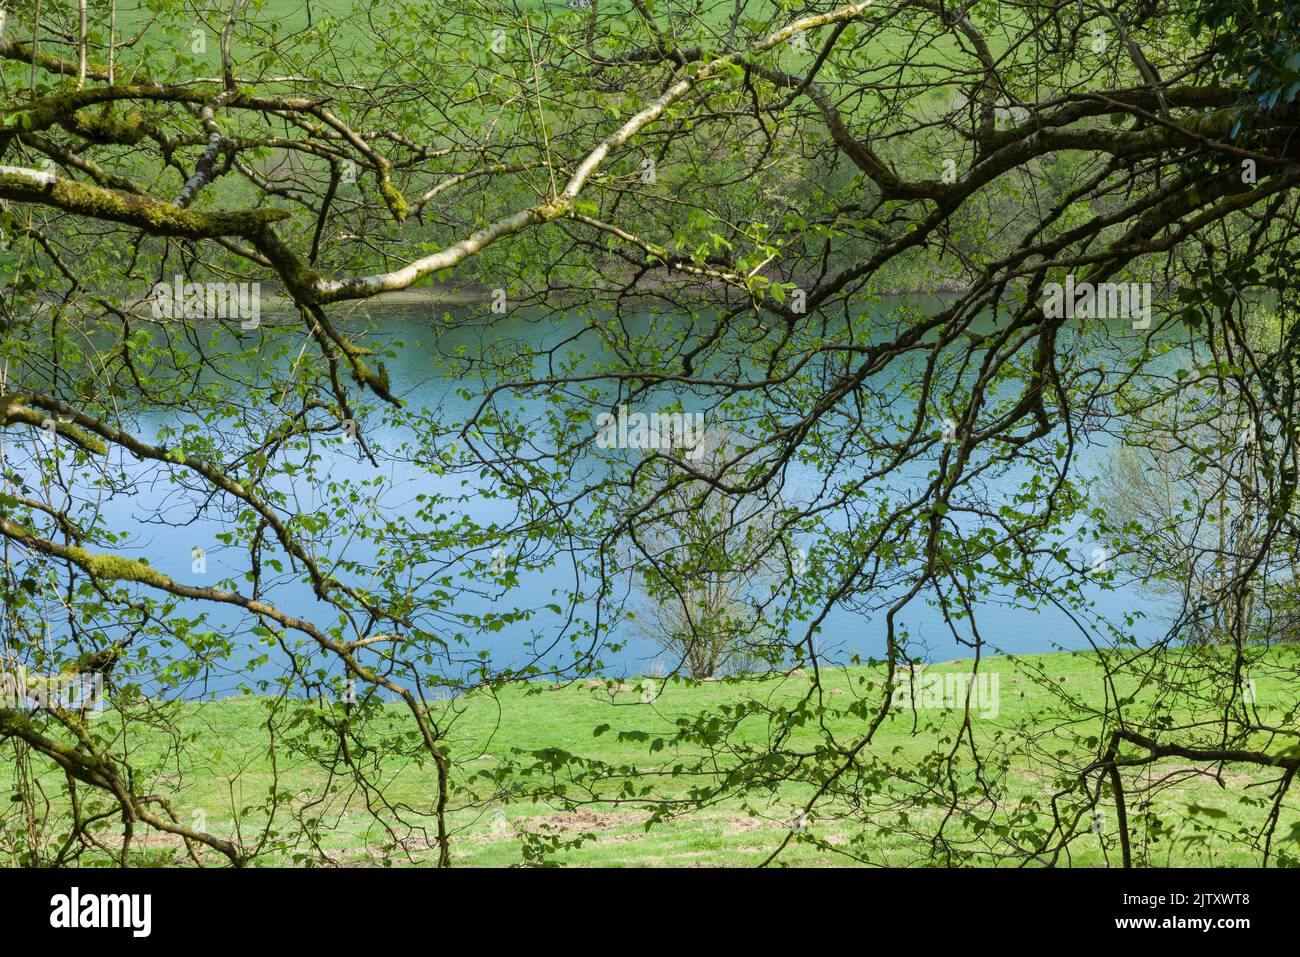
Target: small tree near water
(700, 567)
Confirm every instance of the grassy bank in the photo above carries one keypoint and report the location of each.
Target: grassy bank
(225, 769)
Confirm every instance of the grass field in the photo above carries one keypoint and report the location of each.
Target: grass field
(226, 765)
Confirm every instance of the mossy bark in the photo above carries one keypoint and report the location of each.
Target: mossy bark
(152, 215)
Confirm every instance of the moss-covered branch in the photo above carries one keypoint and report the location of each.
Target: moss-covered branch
(151, 215)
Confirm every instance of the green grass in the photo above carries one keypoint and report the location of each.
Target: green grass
(227, 766)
